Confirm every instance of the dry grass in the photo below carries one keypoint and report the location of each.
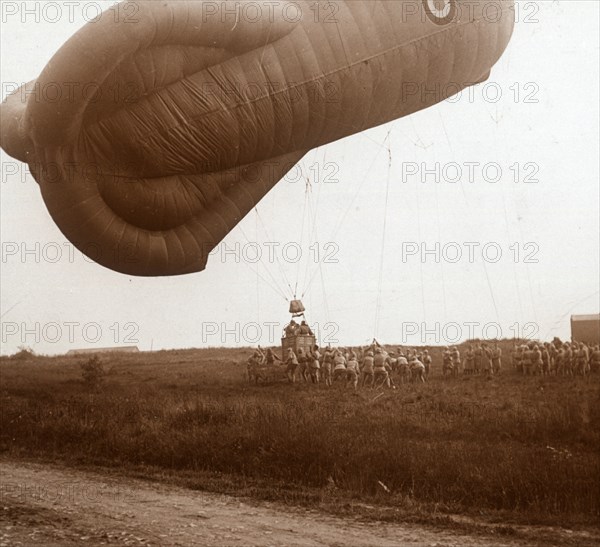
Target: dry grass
(526, 446)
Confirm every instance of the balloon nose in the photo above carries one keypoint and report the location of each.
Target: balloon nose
(13, 135)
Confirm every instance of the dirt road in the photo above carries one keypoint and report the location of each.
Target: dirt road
(46, 505)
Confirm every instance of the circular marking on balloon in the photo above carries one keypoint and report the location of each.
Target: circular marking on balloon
(441, 12)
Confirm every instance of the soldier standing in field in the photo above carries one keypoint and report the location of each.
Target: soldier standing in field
(380, 368)
(327, 366)
(496, 354)
(339, 365)
(291, 365)
(478, 361)
(595, 359)
(302, 364)
(458, 368)
(427, 362)
(526, 359)
(469, 360)
(314, 365)
(417, 370)
(553, 351)
(352, 371)
(270, 357)
(259, 356)
(403, 369)
(536, 360)
(583, 359)
(487, 361)
(545, 359)
(447, 362)
(559, 361)
(367, 369)
(568, 359)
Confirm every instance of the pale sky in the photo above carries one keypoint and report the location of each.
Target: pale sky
(537, 119)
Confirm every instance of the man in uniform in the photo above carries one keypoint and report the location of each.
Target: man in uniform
(456, 360)
(339, 365)
(291, 329)
(478, 361)
(304, 329)
(553, 350)
(595, 359)
(251, 368)
(496, 355)
(292, 364)
(517, 359)
(559, 361)
(487, 361)
(545, 359)
(447, 362)
(527, 358)
(270, 357)
(417, 370)
(259, 356)
(583, 359)
(536, 360)
(546, 348)
(302, 365)
(352, 371)
(568, 359)
(427, 362)
(469, 360)
(380, 368)
(327, 366)
(314, 365)
(367, 369)
(403, 368)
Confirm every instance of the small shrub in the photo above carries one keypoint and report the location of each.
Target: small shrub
(92, 371)
(23, 354)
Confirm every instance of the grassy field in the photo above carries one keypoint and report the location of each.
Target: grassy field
(523, 448)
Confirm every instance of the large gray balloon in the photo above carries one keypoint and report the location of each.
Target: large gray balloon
(155, 129)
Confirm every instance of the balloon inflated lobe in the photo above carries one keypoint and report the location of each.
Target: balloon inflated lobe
(168, 129)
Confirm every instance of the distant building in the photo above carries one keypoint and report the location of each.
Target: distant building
(586, 328)
(120, 349)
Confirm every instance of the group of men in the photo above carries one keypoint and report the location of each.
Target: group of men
(295, 329)
(374, 366)
(556, 358)
(371, 366)
(479, 358)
